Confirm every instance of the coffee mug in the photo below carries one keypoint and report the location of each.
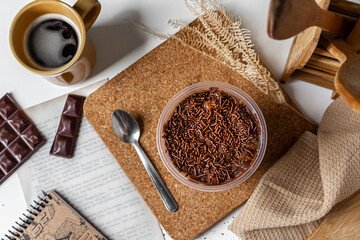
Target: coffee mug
(78, 19)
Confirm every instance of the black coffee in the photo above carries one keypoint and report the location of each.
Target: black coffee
(52, 43)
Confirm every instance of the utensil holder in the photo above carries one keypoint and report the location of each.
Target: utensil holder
(309, 60)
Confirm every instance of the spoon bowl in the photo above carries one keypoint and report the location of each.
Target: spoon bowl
(125, 126)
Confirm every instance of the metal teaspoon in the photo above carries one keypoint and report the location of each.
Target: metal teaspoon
(127, 130)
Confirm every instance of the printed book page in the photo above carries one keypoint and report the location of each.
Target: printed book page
(92, 181)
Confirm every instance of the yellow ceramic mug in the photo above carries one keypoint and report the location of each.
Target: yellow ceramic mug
(81, 17)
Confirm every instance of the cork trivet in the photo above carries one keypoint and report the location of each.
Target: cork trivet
(143, 90)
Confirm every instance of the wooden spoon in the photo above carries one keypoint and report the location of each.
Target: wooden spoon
(347, 78)
(288, 18)
(354, 37)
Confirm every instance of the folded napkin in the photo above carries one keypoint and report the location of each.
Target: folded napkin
(301, 188)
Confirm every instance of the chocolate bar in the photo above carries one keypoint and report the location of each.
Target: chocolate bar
(19, 138)
(67, 133)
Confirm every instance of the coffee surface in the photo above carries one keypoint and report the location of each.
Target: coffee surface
(52, 43)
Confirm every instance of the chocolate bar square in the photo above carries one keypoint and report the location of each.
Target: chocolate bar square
(7, 106)
(67, 126)
(19, 149)
(7, 161)
(7, 134)
(19, 122)
(31, 136)
(73, 106)
(62, 146)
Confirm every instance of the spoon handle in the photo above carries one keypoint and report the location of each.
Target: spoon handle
(164, 192)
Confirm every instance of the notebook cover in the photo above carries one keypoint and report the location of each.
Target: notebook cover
(55, 219)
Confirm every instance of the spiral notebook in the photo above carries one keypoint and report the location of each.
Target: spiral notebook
(52, 218)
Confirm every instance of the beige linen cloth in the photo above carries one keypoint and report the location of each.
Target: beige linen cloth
(301, 188)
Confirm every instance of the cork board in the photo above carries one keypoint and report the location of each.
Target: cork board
(143, 90)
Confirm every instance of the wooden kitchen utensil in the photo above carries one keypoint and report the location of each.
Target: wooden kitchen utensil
(346, 8)
(303, 47)
(342, 222)
(288, 18)
(347, 78)
(354, 37)
(305, 44)
(308, 59)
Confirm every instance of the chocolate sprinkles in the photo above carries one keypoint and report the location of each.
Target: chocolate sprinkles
(211, 137)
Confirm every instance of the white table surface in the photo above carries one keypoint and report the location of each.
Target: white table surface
(119, 44)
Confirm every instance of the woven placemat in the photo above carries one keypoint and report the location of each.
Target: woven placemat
(143, 90)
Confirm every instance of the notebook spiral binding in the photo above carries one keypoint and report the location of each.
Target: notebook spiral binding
(29, 217)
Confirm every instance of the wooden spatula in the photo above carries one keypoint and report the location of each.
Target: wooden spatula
(288, 18)
(347, 78)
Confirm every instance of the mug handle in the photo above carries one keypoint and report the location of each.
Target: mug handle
(88, 10)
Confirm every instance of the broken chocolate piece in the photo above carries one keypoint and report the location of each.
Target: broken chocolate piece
(67, 133)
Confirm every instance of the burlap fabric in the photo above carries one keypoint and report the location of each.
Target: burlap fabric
(301, 188)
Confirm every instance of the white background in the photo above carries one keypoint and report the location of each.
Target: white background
(119, 44)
